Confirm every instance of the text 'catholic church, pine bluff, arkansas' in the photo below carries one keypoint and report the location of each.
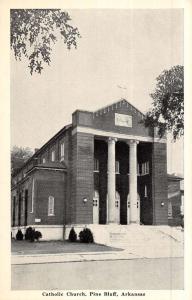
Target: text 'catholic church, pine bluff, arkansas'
(104, 168)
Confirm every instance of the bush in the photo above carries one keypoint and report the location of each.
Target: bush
(182, 221)
(86, 236)
(37, 235)
(72, 235)
(19, 235)
(32, 235)
(29, 233)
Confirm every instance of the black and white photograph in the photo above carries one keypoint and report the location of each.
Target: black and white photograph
(97, 205)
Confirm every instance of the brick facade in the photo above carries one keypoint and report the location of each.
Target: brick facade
(71, 179)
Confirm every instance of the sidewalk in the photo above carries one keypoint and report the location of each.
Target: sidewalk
(163, 243)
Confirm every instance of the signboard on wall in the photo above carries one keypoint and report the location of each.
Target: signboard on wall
(123, 120)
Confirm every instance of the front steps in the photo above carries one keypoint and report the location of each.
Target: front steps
(142, 240)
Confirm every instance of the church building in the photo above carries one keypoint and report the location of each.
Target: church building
(104, 168)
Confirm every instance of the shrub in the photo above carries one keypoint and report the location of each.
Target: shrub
(86, 236)
(19, 235)
(37, 235)
(32, 235)
(72, 235)
(182, 221)
(29, 233)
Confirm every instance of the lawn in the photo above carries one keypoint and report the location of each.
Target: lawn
(46, 247)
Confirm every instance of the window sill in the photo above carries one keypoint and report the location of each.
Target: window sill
(51, 215)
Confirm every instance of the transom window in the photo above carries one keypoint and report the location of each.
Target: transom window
(96, 165)
(62, 151)
(51, 206)
(95, 202)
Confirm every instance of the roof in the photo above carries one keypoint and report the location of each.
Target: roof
(174, 177)
(122, 101)
(40, 149)
(52, 164)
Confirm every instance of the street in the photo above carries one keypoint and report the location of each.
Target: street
(136, 274)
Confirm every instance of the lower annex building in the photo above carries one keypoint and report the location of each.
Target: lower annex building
(104, 168)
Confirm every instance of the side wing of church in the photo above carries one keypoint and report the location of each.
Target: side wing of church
(104, 168)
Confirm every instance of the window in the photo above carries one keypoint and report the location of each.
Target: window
(51, 206)
(145, 168)
(96, 165)
(32, 195)
(62, 151)
(53, 155)
(145, 191)
(117, 167)
(44, 160)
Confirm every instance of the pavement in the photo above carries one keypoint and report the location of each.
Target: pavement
(166, 246)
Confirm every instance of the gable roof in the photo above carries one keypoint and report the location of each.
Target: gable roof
(122, 102)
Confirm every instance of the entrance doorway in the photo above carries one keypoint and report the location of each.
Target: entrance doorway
(117, 208)
(96, 207)
(138, 209)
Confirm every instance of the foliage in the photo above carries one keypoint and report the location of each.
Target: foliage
(19, 235)
(35, 31)
(86, 236)
(167, 113)
(37, 235)
(72, 235)
(28, 233)
(182, 221)
(19, 156)
(31, 234)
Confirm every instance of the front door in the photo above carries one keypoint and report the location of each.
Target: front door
(96, 207)
(138, 209)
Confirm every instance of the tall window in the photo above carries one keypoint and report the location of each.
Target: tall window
(44, 160)
(51, 206)
(96, 165)
(32, 195)
(53, 155)
(62, 151)
(117, 167)
(145, 168)
(145, 191)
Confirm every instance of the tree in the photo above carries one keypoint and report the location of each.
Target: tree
(19, 156)
(167, 113)
(34, 31)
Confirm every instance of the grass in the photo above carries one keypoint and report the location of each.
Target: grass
(46, 247)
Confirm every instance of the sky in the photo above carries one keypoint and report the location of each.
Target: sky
(120, 54)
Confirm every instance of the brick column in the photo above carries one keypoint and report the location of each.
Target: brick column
(133, 180)
(111, 184)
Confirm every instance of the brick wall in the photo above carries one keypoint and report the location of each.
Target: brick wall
(174, 196)
(49, 183)
(159, 183)
(82, 178)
